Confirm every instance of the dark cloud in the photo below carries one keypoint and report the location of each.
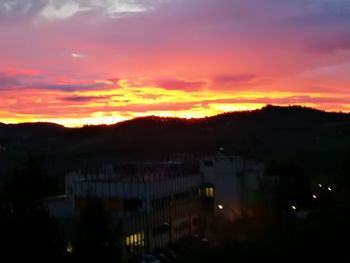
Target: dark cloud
(10, 81)
(179, 84)
(70, 87)
(85, 98)
(24, 81)
(7, 82)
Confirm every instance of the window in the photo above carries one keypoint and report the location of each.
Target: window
(135, 240)
(209, 192)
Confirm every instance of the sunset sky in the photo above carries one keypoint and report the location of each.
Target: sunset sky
(78, 62)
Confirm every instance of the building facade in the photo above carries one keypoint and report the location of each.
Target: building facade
(235, 181)
(152, 204)
(157, 203)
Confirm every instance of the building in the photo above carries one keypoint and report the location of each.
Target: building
(235, 181)
(152, 204)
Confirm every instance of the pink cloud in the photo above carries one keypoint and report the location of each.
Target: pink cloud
(179, 84)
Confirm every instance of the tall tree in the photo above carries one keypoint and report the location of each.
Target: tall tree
(27, 231)
(94, 237)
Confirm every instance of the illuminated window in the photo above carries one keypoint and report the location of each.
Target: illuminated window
(135, 240)
(209, 192)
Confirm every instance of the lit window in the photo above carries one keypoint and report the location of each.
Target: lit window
(142, 239)
(209, 191)
(135, 240)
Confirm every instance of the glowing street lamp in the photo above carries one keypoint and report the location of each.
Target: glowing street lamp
(329, 189)
(294, 207)
(320, 185)
(69, 247)
(314, 196)
(220, 206)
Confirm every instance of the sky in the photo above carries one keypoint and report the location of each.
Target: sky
(77, 62)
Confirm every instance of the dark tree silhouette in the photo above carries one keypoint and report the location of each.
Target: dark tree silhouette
(27, 231)
(94, 238)
(28, 182)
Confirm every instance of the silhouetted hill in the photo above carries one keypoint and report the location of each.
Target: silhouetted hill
(314, 139)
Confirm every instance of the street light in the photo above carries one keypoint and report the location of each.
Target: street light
(221, 207)
(314, 196)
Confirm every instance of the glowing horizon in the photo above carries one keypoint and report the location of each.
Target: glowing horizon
(81, 62)
(78, 123)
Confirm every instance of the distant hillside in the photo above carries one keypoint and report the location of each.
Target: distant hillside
(314, 139)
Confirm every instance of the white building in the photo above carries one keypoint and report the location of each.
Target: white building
(235, 181)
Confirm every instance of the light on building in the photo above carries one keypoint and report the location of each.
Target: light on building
(294, 207)
(220, 206)
(314, 196)
(329, 189)
(135, 240)
(209, 192)
(69, 248)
